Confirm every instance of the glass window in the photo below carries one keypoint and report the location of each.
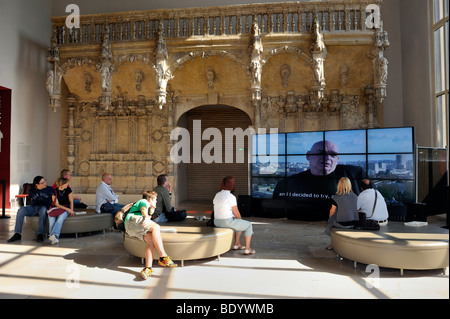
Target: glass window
(441, 65)
(442, 116)
(446, 53)
(439, 56)
(438, 10)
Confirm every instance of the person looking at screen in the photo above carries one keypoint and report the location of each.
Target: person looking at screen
(343, 212)
(366, 201)
(316, 185)
(227, 215)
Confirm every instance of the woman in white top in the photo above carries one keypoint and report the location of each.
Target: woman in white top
(226, 215)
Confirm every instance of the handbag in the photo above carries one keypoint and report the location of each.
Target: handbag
(210, 222)
(175, 215)
(54, 211)
(120, 216)
(367, 224)
(107, 208)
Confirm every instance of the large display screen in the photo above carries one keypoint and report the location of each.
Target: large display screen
(307, 166)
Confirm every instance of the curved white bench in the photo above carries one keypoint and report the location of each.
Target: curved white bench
(193, 240)
(395, 246)
(89, 222)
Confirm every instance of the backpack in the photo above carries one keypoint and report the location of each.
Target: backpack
(120, 216)
(175, 215)
(210, 222)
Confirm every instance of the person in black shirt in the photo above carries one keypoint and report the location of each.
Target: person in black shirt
(41, 199)
(64, 199)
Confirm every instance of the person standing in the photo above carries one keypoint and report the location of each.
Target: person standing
(41, 199)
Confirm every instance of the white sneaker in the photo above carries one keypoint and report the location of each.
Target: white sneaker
(53, 239)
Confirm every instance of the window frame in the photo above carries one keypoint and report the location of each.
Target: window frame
(441, 110)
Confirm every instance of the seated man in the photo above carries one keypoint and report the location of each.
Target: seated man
(366, 201)
(164, 210)
(105, 199)
(41, 199)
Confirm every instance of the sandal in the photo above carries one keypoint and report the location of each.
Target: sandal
(238, 247)
(251, 252)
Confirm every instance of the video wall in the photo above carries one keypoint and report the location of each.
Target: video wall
(307, 166)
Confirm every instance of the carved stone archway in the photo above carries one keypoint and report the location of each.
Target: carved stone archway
(210, 128)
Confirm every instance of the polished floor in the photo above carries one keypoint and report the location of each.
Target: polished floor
(290, 262)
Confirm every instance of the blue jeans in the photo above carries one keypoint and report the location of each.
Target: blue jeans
(55, 223)
(31, 211)
(111, 208)
(161, 219)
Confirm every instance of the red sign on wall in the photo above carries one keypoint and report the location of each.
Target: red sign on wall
(5, 143)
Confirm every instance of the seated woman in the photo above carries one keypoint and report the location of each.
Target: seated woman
(344, 211)
(64, 200)
(138, 224)
(226, 215)
(67, 174)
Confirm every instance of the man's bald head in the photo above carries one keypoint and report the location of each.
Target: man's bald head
(323, 158)
(107, 178)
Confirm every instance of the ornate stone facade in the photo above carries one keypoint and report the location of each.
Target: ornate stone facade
(124, 80)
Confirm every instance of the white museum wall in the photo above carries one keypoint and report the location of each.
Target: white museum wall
(417, 67)
(25, 31)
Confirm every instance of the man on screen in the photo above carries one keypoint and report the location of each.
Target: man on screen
(316, 185)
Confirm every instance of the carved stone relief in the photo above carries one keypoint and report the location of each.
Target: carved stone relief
(210, 77)
(139, 76)
(285, 72)
(124, 100)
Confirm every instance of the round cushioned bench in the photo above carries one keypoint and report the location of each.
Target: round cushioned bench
(193, 240)
(84, 223)
(395, 246)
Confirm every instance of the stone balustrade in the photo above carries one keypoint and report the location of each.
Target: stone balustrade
(272, 18)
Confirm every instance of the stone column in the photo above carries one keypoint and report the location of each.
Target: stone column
(72, 103)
